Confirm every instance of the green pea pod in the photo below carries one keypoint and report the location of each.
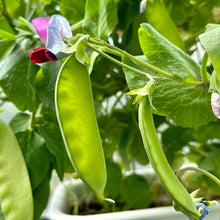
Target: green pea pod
(15, 187)
(183, 201)
(77, 121)
(159, 18)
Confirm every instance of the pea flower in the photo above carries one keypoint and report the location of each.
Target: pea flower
(215, 102)
(203, 209)
(53, 32)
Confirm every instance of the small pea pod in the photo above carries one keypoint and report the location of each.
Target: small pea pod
(15, 187)
(77, 121)
(159, 18)
(183, 201)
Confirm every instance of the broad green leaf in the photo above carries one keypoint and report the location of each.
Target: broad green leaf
(7, 43)
(6, 47)
(135, 191)
(207, 132)
(159, 18)
(12, 7)
(6, 35)
(127, 11)
(36, 155)
(211, 41)
(174, 139)
(20, 122)
(73, 10)
(114, 177)
(4, 25)
(54, 142)
(45, 83)
(17, 77)
(188, 106)
(100, 18)
(161, 53)
(41, 195)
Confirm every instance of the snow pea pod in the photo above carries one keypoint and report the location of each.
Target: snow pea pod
(182, 200)
(77, 121)
(15, 188)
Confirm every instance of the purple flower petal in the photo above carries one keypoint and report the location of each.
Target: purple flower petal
(55, 43)
(41, 25)
(215, 102)
(59, 22)
(37, 55)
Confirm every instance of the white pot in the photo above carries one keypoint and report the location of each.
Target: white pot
(59, 206)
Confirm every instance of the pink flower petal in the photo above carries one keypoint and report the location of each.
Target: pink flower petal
(41, 25)
(215, 102)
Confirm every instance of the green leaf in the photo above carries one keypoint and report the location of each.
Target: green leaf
(188, 106)
(36, 155)
(114, 177)
(210, 40)
(20, 122)
(6, 47)
(127, 11)
(156, 11)
(161, 53)
(2, 217)
(100, 18)
(174, 139)
(135, 191)
(54, 142)
(7, 43)
(207, 132)
(73, 10)
(17, 77)
(41, 195)
(215, 82)
(45, 83)
(6, 35)
(46, 2)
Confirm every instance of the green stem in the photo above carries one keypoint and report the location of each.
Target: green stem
(162, 72)
(118, 62)
(204, 172)
(5, 13)
(77, 25)
(204, 72)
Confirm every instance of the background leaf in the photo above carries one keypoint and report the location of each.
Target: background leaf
(210, 40)
(100, 18)
(156, 11)
(17, 78)
(73, 10)
(135, 191)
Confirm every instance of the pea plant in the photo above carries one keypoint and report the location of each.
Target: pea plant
(96, 79)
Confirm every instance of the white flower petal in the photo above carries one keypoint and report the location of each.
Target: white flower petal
(55, 43)
(59, 22)
(215, 102)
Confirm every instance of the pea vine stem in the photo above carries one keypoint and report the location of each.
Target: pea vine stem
(126, 54)
(6, 15)
(204, 73)
(119, 62)
(204, 172)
